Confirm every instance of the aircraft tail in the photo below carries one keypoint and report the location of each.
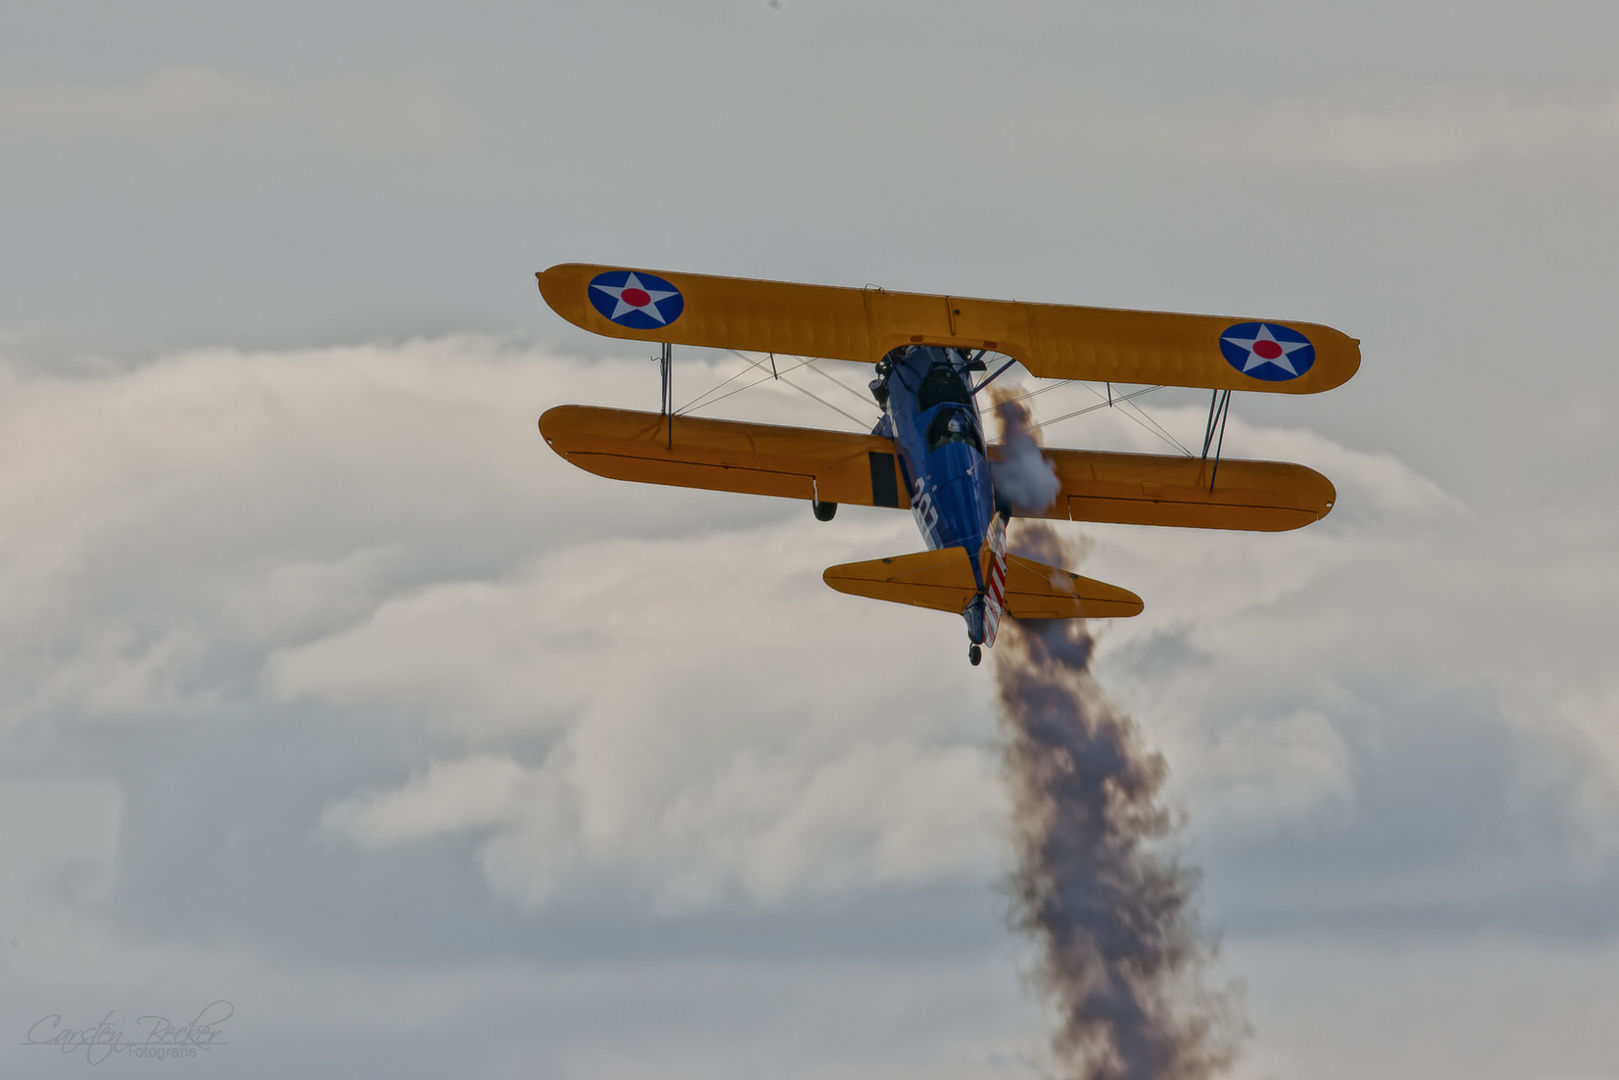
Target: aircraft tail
(994, 557)
(944, 580)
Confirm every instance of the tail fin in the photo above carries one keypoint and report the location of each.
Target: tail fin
(944, 580)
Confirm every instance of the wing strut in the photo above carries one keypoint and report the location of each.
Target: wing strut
(666, 403)
(1219, 409)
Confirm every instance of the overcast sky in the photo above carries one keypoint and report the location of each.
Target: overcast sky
(328, 691)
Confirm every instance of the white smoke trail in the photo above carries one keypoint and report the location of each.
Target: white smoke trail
(1023, 476)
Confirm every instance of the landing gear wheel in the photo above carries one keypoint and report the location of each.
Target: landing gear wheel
(975, 654)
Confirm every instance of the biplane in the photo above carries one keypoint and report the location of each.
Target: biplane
(928, 453)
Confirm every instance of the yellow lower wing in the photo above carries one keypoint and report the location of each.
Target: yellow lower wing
(861, 470)
(1149, 489)
(727, 455)
(943, 580)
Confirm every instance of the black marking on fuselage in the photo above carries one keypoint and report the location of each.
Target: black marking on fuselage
(884, 483)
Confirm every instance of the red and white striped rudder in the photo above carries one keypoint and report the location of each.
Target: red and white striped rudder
(995, 578)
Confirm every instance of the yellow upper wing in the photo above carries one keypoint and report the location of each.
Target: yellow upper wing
(1053, 341)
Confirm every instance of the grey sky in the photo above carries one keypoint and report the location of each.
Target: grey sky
(325, 688)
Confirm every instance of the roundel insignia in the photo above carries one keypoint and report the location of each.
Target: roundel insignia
(1268, 351)
(636, 299)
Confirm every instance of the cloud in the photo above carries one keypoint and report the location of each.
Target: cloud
(1522, 1008)
(1408, 669)
(354, 114)
(686, 743)
(1388, 133)
(324, 649)
(756, 831)
(473, 793)
(379, 533)
(587, 688)
(166, 96)
(60, 835)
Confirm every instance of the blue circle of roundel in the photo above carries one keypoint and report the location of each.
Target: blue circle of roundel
(636, 299)
(1268, 351)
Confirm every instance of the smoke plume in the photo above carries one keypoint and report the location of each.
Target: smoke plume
(1123, 954)
(1023, 476)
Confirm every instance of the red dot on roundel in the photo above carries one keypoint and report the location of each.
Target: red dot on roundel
(641, 298)
(1266, 350)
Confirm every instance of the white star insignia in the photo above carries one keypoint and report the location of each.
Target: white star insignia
(1265, 349)
(634, 301)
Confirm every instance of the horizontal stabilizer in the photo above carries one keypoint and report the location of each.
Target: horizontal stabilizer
(1053, 341)
(1151, 489)
(944, 580)
(728, 455)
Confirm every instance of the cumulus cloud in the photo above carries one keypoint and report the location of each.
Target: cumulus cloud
(1309, 684)
(382, 531)
(340, 615)
(473, 793)
(694, 750)
(754, 830)
(649, 690)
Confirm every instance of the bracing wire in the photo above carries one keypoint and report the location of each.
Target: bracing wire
(1158, 429)
(805, 362)
(1141, 418)
(1093, 408)
(714, 389)
(1037, 392)
(1134, 411)
(698, 402)
(837, 382)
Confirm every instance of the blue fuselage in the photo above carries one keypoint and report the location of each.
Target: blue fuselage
(933, 417)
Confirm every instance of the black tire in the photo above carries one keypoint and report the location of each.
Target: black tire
(975, 654)
(824, 511)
